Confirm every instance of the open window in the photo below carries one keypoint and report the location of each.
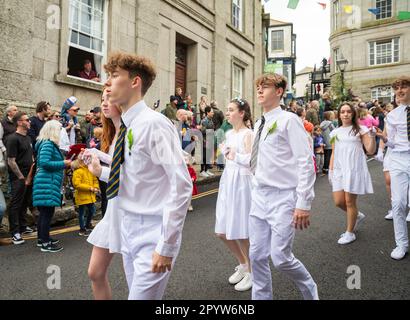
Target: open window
(87, 39)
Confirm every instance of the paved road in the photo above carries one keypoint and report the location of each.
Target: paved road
(204, 264)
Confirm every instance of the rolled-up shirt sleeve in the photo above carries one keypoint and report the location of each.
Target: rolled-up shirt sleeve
(299, 144)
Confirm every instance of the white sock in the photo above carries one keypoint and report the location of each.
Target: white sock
(245, 267)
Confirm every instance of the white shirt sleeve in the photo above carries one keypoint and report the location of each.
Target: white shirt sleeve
(244, 159)
(167, 152)
(299, 144)
(105, 174)
(391, 132)
(2, 146)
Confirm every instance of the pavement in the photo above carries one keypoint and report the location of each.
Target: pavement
(204, 264)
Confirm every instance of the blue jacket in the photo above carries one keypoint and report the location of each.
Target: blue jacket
(49, 175)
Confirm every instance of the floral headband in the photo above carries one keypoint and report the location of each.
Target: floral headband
(240, 101)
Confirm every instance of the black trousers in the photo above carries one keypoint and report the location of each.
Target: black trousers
(328, 154)
(20, 196)
(44, 223)
(104, 201)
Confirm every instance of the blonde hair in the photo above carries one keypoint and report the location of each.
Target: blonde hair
(98, 132)
(50, 131)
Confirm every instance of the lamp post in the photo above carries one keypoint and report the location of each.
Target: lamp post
(341, 63)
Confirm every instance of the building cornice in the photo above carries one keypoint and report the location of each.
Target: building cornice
(367, 26)
(390, 65)
(239, 47)
(183, 7)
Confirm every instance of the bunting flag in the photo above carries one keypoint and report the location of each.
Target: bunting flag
(323, 5)
(375, 11)
(404, 15)
(348, 9)
(293, 4)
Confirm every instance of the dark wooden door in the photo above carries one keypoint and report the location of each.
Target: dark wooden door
(181, 67)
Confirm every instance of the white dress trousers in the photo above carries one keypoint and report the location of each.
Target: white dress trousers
(399, 163)
(140, 234)
(271, 234)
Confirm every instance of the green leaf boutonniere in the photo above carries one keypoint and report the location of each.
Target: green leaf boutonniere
(130, 138)
(272, 129)
(334, 139)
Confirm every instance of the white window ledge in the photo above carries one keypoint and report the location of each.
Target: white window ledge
(78, 82)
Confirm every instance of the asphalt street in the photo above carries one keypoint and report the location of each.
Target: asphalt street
(204, 264)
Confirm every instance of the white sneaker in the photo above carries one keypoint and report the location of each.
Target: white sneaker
(360, 218)
(210, 173)
(346, 238)
(204, 174)
(237, 276)
(408, 217)
(398, 253)
(190, 209)
(245, 284)
(389, 215)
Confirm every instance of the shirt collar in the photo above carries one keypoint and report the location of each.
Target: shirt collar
(133, 112)
(273, 113)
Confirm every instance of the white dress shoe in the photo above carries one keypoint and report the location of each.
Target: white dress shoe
(360, 218)
(237, 276)
(398, 253)
(346, 238)
(209, 173)
(389, 215)
(245, 284)
(190, 209)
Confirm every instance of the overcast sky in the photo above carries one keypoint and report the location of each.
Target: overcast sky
(311, 24)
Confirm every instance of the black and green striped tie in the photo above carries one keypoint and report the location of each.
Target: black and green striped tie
(408, 122)
(114, 180)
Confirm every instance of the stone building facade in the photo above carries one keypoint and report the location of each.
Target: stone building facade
(208, 47)
(375, 45)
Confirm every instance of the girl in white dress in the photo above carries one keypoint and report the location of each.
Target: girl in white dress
(234, 197)
(106, 236)
(349, 174)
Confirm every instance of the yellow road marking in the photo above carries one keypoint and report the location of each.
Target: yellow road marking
(7, 241)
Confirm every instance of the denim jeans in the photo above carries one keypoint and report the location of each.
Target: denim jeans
(2, 206)
(44, 223)
(81, 211)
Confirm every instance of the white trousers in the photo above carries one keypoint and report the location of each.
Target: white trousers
(271, 234)
(400, 183)
(139, 236)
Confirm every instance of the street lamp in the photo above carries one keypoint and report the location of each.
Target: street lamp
(341, 63)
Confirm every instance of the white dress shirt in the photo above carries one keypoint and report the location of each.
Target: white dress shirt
(396, 126)
(154, 178)
(285, 160)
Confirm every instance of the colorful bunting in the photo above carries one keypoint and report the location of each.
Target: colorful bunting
(293, 4)
(404, 15)
(323, 5)
(375, 11)
(348, 9)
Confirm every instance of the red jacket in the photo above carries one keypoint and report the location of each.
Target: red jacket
(192, 173)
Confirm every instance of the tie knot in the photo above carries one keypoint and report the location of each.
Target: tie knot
(263, 120)
(408, 108)
(123, 124)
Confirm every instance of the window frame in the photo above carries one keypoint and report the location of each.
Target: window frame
(274, 40)
(336, 12)
(375, 55)
(236, 66)
(104, 47)
(384, 4)
(237, 20)
(377, 90)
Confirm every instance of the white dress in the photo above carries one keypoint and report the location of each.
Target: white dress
(107, 233)
(350, 171)
(234, 196)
